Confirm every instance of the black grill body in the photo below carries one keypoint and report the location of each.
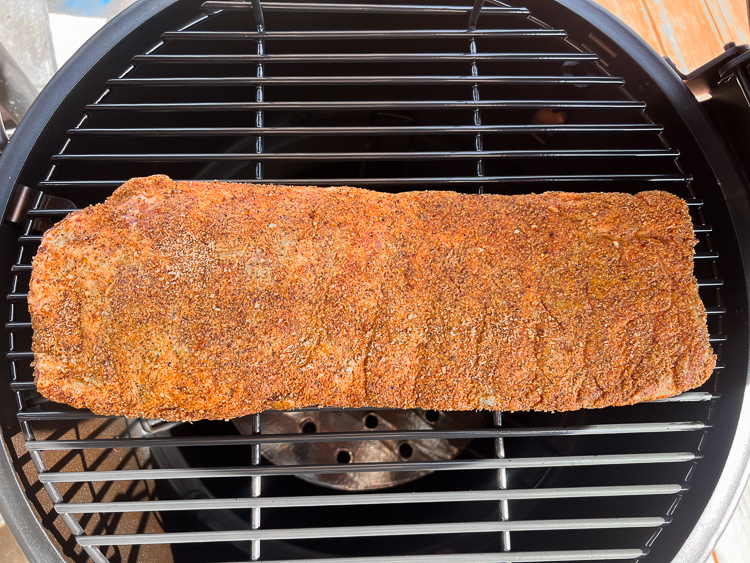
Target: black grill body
(525, 97)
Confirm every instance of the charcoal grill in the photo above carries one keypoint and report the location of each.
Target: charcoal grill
(490, 97)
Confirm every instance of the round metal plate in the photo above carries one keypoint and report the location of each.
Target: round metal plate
(363, 451)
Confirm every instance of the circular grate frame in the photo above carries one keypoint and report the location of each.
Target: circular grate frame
(471, 104)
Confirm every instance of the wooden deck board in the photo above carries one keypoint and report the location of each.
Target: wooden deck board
(690, 32)
(635, 14)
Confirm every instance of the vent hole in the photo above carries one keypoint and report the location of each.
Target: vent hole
(309, 427)
(371, 421)
(344, 456)
(432, 416)
(405, 450)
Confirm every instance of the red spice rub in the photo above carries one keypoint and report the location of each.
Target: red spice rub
(193, 300)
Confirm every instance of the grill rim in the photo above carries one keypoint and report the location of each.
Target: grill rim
(728, 488)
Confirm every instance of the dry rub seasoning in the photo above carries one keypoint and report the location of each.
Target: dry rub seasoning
(192, 300)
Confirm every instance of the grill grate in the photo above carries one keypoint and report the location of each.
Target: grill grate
(340, 98)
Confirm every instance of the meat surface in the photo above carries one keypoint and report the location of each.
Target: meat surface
(192, 300)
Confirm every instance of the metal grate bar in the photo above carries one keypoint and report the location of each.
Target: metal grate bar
(374, 130)
(20, 355)
(58, 415)
(416, 155)
(711, 283)
(22, 386)
(365, 34)
(702, 229)
(16, 325)
(593, 430)
(690, 396)
(48, 212)
(518, 557)
(359, 8)
(706, 255)
(350, 105)
(459, 129)
(413, 80)
(362, 58)
(260, 21)
(374, 531)
(381, 130)
(386, 156)
(438, 181)
(19, 268)
(454, 465)
(362, 500)
(716, 310)
(476, 10)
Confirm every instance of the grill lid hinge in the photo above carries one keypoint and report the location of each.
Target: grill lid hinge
(25, 198)
(20, 202)
(704, 79)
(723, 88)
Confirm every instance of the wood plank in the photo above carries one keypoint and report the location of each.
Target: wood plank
(720, 19)
(690, 32)
(686, 30)
(734, 13)
(635, 15)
